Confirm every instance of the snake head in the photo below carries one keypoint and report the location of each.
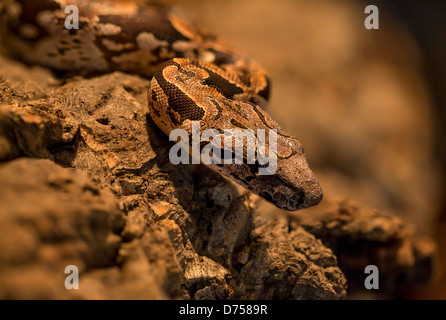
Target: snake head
(293, 186)
(188, 94)
(290, 184)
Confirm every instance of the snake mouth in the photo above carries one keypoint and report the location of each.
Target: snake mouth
(295, 198)
(286, 201)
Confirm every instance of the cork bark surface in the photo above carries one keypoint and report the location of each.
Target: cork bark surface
(86, 180)
(85, 177)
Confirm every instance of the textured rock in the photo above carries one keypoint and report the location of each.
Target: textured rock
(183, 231)
(361, 236)
(292, 263)
(103, 195)
(52, 217)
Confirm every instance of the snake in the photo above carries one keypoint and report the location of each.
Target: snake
(195, 77)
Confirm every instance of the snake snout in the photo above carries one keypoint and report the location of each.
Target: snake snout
(298, 197)
(311, 195)
(300, 188)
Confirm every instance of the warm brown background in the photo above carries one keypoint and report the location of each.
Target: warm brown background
(367, 104)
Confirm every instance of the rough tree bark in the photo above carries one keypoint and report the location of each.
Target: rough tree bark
(85, 180)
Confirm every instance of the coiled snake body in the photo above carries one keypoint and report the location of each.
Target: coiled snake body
(195, 77)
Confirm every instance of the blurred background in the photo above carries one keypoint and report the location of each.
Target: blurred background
(368, 105)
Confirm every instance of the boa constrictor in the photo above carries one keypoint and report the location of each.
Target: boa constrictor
(195, 77)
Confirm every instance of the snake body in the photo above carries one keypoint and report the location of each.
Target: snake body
(195, 76)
